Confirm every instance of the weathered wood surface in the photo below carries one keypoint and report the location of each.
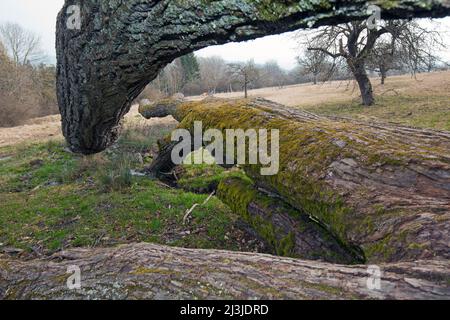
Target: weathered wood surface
(146, 271)
(122, 45)
(381, 187)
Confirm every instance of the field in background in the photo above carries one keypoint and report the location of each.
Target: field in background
(49, 128)
(421, 101)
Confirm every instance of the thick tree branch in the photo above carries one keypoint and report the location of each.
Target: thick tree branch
(122, 46)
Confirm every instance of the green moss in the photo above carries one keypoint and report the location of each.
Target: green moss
(324, 288)
(287, 245)
(380, 250)
(387, 4)
(237, 194)
(306, 155)
(417, 246)
(204, 178)
(144, 271)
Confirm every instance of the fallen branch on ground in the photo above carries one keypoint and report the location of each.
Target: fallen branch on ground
(189, 211)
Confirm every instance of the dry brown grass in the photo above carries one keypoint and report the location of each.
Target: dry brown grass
(341, 91)
(49, 128)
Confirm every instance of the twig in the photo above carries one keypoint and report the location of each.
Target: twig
(164, 184)
(98, 239)
(390, 90)
(37, 188)
(188, 212)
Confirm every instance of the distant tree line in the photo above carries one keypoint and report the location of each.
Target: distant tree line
(193, 75)
(27, 86)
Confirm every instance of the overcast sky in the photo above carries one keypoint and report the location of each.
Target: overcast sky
(40, 17)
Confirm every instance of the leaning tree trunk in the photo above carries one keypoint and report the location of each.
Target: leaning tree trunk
(145, 271)
(382, 188)
(383, 73)
(364, 84)
(122, 45)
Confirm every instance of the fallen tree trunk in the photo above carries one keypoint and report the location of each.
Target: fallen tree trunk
(380, 187)
(120, 46)
(146, 271)
(288, 232)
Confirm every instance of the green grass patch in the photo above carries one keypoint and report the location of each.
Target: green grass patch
(51, 199)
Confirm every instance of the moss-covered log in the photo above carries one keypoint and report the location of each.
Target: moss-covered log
(289, 232)
(122, 45)
(380, 187)
(146, 271)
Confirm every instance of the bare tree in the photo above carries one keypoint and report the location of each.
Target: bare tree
(22, 45)
(315, 63)
(354, 43)
(419, 45)
(386, 56)
(244, 73)
(411, 48)
(26, 90)
(212, 72)
(271, 75)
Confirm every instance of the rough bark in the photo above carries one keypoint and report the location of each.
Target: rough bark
(146, 271)
(380, 187)
(122, 45)
(364, 84)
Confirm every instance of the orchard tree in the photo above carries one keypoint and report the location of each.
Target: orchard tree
(355, 42)
(314, 63)
(244, 73)
(385, 57)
